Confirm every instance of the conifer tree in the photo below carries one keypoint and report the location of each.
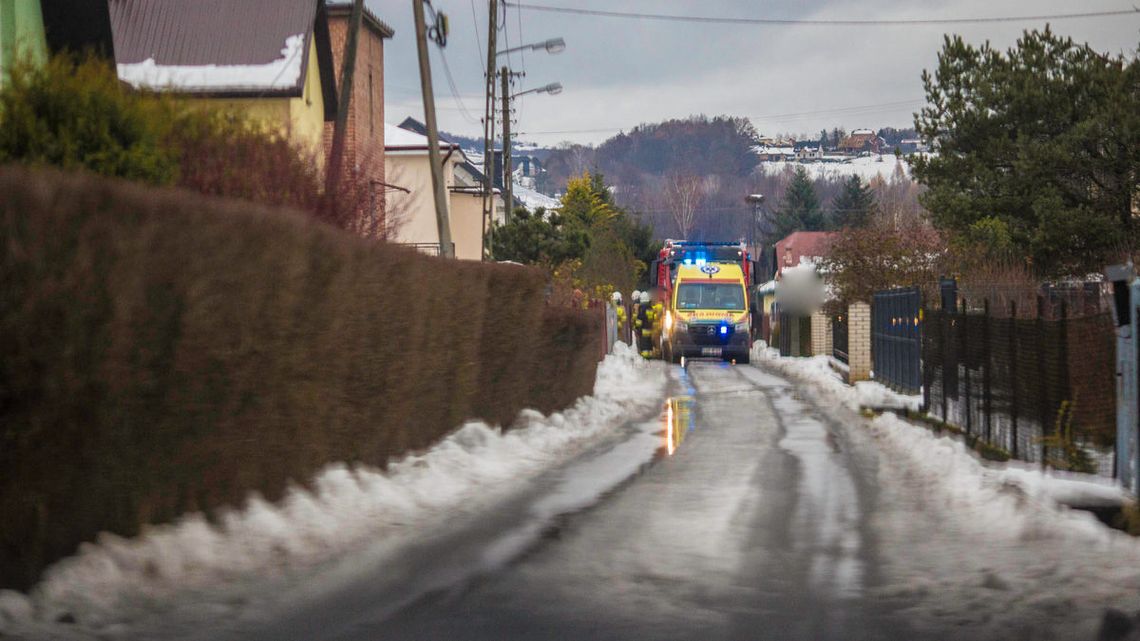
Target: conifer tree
(854, 205)
(1039, 144)
(799, 209)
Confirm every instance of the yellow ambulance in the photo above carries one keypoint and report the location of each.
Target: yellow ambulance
(707, 315)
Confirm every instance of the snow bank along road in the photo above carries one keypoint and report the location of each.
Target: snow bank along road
(757, 505)
(774, 511)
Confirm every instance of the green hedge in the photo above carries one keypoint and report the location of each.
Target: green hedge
(164, 352)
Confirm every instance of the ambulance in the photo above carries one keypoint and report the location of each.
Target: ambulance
(707, 313)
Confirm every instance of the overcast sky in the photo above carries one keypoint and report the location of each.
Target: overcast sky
(619, 73)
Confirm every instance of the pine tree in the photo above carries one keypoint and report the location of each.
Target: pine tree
(1040, 142)
(823, 139)
(853, 206)
(799, 210)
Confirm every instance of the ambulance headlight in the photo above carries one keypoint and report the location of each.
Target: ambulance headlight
(681, 325)
(742, 327)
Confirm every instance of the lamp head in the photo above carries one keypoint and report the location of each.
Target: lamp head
(554, 45)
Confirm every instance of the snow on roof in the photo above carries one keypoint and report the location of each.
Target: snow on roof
(788, 151)
(398, 139)
(280, 74)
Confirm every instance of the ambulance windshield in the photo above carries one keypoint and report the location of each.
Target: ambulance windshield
(729, 296)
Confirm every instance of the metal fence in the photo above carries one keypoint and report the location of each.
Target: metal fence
(431, 249)
(792, 334)
(1040, 388)
(839, 337)
(896, 339)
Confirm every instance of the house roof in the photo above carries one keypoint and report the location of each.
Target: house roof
(858, 139)
(397, 139)
(801, 244)
(222, 47)
(342, 9)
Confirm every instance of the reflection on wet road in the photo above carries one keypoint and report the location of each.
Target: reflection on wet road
(751, 524)
(678, 417)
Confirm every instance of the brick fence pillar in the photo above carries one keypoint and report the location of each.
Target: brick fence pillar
(859, 342)
(820, 334)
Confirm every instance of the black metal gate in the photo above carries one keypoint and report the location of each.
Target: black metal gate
(839, 337)
(896, 339)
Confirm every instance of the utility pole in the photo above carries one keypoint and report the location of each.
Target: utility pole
(340, 126)
(437, 183)
(507, 182)
(489, 130)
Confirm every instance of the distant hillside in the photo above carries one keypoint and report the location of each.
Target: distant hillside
(696, 145)
(465, 142)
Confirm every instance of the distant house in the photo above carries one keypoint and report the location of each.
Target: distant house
(468, 173)
(270, 59)
(861, 141)
(412, 203)
(774, 154)
(911, 146)
(808, 153)
(801, 246)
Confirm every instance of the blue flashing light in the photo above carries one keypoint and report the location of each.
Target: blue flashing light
(700, 261)
(724, 329)
(688, 261)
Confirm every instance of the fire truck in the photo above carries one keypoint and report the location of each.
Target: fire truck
(704, 291)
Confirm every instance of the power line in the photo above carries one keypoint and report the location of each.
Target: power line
(475, 19)
(807, 22)
(455, 92)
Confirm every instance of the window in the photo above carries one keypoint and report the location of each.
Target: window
(371, 113)
(729, 296)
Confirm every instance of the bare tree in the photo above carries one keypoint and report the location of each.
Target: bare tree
(684, 195)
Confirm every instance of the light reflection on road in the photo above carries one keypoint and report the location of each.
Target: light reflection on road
(678, 413)
(678, 421)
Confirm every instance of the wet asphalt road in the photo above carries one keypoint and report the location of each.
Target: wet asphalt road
(752, 522)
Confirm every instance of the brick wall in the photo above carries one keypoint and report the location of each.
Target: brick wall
(364, 142)
(859, 342)
(820, 334)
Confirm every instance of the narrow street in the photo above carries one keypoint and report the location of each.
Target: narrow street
(752, 522)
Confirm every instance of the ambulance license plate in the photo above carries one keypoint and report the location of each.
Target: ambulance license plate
(710, 351)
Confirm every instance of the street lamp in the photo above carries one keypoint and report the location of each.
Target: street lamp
(552, 88)
(757, 201)
(553, 46)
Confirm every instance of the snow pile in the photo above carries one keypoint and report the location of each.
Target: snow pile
(110, 584)
(282, 73)
(818, 371)
(991, 491)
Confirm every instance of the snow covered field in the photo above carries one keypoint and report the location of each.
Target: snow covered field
(866, 167)
(986, 548)
(248, 564)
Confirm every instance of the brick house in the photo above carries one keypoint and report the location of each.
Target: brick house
(861, 141)
(364, 142)
(801, 246)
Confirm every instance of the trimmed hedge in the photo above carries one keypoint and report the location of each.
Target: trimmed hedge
(164, 352)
